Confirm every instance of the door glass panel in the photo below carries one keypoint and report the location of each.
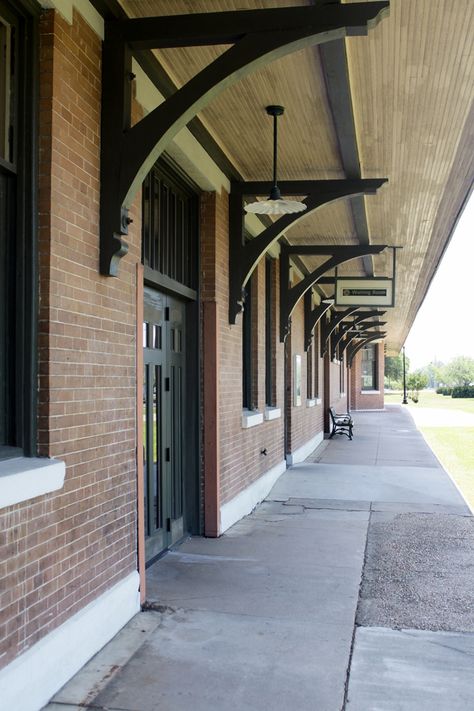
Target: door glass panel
(157, 447)
(5, 90)
(177, 426)
(156, 336)
(146, 371)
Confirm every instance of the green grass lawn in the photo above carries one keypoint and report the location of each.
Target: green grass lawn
(453, 446)
(455, 450)
(428, 398)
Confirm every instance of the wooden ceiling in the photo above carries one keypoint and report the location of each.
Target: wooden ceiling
(412, 81)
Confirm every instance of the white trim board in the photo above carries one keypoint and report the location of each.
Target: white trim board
(300, 454)
(31, 679)
(247, 500)
(251, 418)
(23, 478)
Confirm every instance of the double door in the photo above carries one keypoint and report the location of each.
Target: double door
(163, 394)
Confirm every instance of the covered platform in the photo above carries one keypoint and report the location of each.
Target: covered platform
(349, 587)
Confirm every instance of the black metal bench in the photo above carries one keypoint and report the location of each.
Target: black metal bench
(341, 423)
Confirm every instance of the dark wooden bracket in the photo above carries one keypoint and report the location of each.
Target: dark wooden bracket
(290, 295)
(257, 37)
(244, 255)
(349, 337)
(356, 324)
(312, 316)
(367, 338)
(329, 327)
(336, 353)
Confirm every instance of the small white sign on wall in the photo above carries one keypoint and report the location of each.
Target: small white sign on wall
(297, 381)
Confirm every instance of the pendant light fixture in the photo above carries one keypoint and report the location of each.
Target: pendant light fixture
(275, 205)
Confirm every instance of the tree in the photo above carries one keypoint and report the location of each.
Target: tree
(394, 368)
(415, 382)
(459, 371)
(434, 372)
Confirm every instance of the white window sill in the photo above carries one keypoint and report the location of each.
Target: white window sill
(22, 478)
(272, 413)
(370, 392)
(251, 418)
(311, 402)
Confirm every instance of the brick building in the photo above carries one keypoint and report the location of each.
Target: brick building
(139, 403)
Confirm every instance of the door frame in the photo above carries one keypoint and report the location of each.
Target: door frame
(192, 429)
(139, 430)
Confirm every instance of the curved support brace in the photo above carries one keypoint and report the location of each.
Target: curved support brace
(128, 152)
(363, 328)
(311, 317)
(244, 256)
(345, 327)
(335, 338)
(329, 327)
(368, 338)
(349, 337)
(289, 296)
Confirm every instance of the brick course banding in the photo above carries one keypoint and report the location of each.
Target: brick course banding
(63, 550)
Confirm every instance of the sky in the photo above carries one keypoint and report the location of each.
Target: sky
(444, 325)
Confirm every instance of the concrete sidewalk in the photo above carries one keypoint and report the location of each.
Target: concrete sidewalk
(350, 587)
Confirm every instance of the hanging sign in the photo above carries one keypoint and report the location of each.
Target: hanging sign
(364, 291)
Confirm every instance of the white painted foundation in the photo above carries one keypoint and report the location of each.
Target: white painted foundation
(246, 501)
(300, 454)
(33, 678)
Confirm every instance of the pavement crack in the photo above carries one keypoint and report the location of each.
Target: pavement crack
(435, 643)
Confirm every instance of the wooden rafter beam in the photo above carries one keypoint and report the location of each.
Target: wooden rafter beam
(128, 152)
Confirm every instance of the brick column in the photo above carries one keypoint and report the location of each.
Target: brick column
(210, 361)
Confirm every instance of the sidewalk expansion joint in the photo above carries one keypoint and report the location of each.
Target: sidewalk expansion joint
(351, 651)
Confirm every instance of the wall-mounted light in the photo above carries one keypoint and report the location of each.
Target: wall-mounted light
(275, 204)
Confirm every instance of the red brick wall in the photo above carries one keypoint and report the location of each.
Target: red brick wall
(305, 422)
(241, 461)
(62, 550)
(367, 400)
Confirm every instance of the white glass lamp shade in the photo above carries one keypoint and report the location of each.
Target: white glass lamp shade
(275, 207)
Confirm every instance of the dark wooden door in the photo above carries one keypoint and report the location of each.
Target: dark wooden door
(163, 394)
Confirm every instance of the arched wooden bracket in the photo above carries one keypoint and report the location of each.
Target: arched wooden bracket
(312, 316)
(354, 326)
(368, 337)
(257, 37)
(244, 255)
(363, 327)
(290, 295)
(328, 327)
(349, 337)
